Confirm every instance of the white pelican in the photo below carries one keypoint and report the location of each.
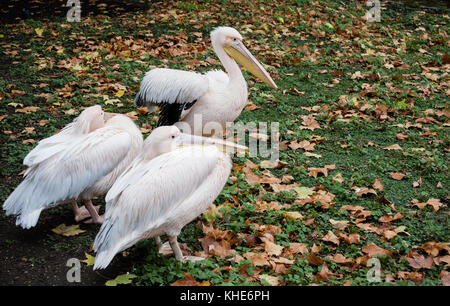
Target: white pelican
(80, 162)
(167, 186)
(219, 97)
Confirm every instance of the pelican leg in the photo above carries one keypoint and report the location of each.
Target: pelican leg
(176, 248)
(80, 213)
(95, 218)
(177, 251)
(158, 241)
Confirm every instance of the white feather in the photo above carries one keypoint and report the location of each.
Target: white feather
(75, 166)
(159, 196)
(161, 85)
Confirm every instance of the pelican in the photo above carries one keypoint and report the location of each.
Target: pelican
(217, 96)
(80, 162)
(167, 186)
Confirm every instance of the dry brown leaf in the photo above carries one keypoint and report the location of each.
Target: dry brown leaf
(393, 147)
(272, 248)
(433, 248)
(331, 237)
(435, 203)
(324, 274)
(341, 259)
(420, 262)
(257, 259)
(401, 136)
(377, 185)
(338, 178)
(390, 218)
(339, 224)
(314, 259)
(397, 176)
(445, 277)
(187, 280)
(372, 250)
(296, 247)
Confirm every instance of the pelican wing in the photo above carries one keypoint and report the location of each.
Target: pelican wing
(142, 198)
(50, 146)
(174, 91)
(67, 173)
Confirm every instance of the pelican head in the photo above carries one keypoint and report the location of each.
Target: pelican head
(165, 139)
(230, 40)
(90, 119)
(120, 120)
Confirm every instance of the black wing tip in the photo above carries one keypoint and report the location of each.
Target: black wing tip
(138, 101)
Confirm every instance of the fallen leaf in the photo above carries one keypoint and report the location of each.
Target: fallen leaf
(397, 176)
(27, 110)
(338, 178)
(331, 237)
(257, 259)
(444, 276)
(361, 191)
(187, 280)
(433, 248)
(401, 136)
(377, 185)
(90, 260)
(271, 280)
(372, 250)
(296, 247)
(293, 215)
(312, 155)
(393, 147)
(314, 259)
(339, 224)
(417, 183)
(435, 203)
(420, 262)
(71, 230)
(324, 274)
(303, 192)
(272, 248)
(341, 259)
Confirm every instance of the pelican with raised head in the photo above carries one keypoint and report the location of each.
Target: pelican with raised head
(174, 179)
(80, 162)
(217, 96)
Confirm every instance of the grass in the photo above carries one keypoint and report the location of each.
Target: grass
(316, 48)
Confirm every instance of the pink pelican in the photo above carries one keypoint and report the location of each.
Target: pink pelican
(80, 162)
(169, 184)
(218, 96)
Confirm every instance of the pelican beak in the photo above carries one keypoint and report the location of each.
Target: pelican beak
(224, 146)
(240, 54)
(108, 116)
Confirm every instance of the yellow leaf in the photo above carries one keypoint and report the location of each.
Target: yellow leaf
(39, 31)
(293, 215)
(89, 259)
(70, 112)
(120, 93)
(67, 231)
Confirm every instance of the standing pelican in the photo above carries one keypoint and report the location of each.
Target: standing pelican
(73, 163)
(167, 186)
(218, 96)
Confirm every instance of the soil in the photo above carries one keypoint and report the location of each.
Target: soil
(38, 256)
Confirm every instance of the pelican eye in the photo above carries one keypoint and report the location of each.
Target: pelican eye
(173, 136)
